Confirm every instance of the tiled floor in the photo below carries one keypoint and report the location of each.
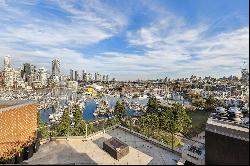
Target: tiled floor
(90, 152)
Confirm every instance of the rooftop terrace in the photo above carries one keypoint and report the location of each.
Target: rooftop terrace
(78, 151)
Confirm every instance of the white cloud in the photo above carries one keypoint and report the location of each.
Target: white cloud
(87, 25)
(175, 50)
(31, 37)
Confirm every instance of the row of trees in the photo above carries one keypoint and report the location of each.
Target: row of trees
(171, 119)
(209, 103)
(64, 128)
(158, 121)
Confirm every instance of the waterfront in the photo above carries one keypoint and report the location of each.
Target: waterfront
(90, 108)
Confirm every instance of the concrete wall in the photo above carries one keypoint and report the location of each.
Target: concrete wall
(224, 150)
(17, 124)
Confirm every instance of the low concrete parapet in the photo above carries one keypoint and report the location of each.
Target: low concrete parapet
(152, 141)
(148, 139)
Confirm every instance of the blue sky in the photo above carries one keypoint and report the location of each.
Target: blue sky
(129, 39)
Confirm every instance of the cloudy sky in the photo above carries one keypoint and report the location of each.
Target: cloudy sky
(129, 39)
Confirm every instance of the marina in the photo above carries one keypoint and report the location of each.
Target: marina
(93, 109)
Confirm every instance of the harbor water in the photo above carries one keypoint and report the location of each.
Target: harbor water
(90, 108)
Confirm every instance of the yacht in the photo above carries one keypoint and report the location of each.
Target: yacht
(221, 113)
(95, 114)
(245, 122)
(97, 102)
(135, 106)
(235, 114)
(39, 107)
(143, 97)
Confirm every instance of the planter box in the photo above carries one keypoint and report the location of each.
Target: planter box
(115, 148)
(19, 157)
(36, 145)
(8, 161)
(28, 152)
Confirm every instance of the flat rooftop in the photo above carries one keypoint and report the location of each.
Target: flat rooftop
(77, 151)
(227, 128)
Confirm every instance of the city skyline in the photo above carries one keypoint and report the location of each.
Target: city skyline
(142, 39)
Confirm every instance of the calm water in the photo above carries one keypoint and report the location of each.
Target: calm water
(90, 108)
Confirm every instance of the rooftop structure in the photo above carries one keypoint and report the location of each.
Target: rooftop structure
(194, 151)
(115, 148)
(78, 151)
(18, 124)
(227, 139)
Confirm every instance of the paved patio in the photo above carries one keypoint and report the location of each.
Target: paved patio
(77, 151)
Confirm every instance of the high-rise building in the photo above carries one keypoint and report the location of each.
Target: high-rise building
(71, 75)
(29, 73)
(56, 67)
(96, 76)
(245, 74)
(26, 68)
(26, 72)
(8, 73)
(99, 77)
(89, 77)
(76, 76)
(34, 74)
(107, 78)
(84, 75)
(9, 78)
(7, 62)
(42, 74)
(18, 81)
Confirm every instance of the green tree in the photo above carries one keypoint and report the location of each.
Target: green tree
(152, 105)
(79, 123)
(155, 123)
(112, 121)
(176, 120)
(39, 122)
(42, 127)
(148, 124)
(142, 123)
(63, 128)
(152, 123)
(91, 128)
(120, 110)
(211, 103)
(198, 102)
